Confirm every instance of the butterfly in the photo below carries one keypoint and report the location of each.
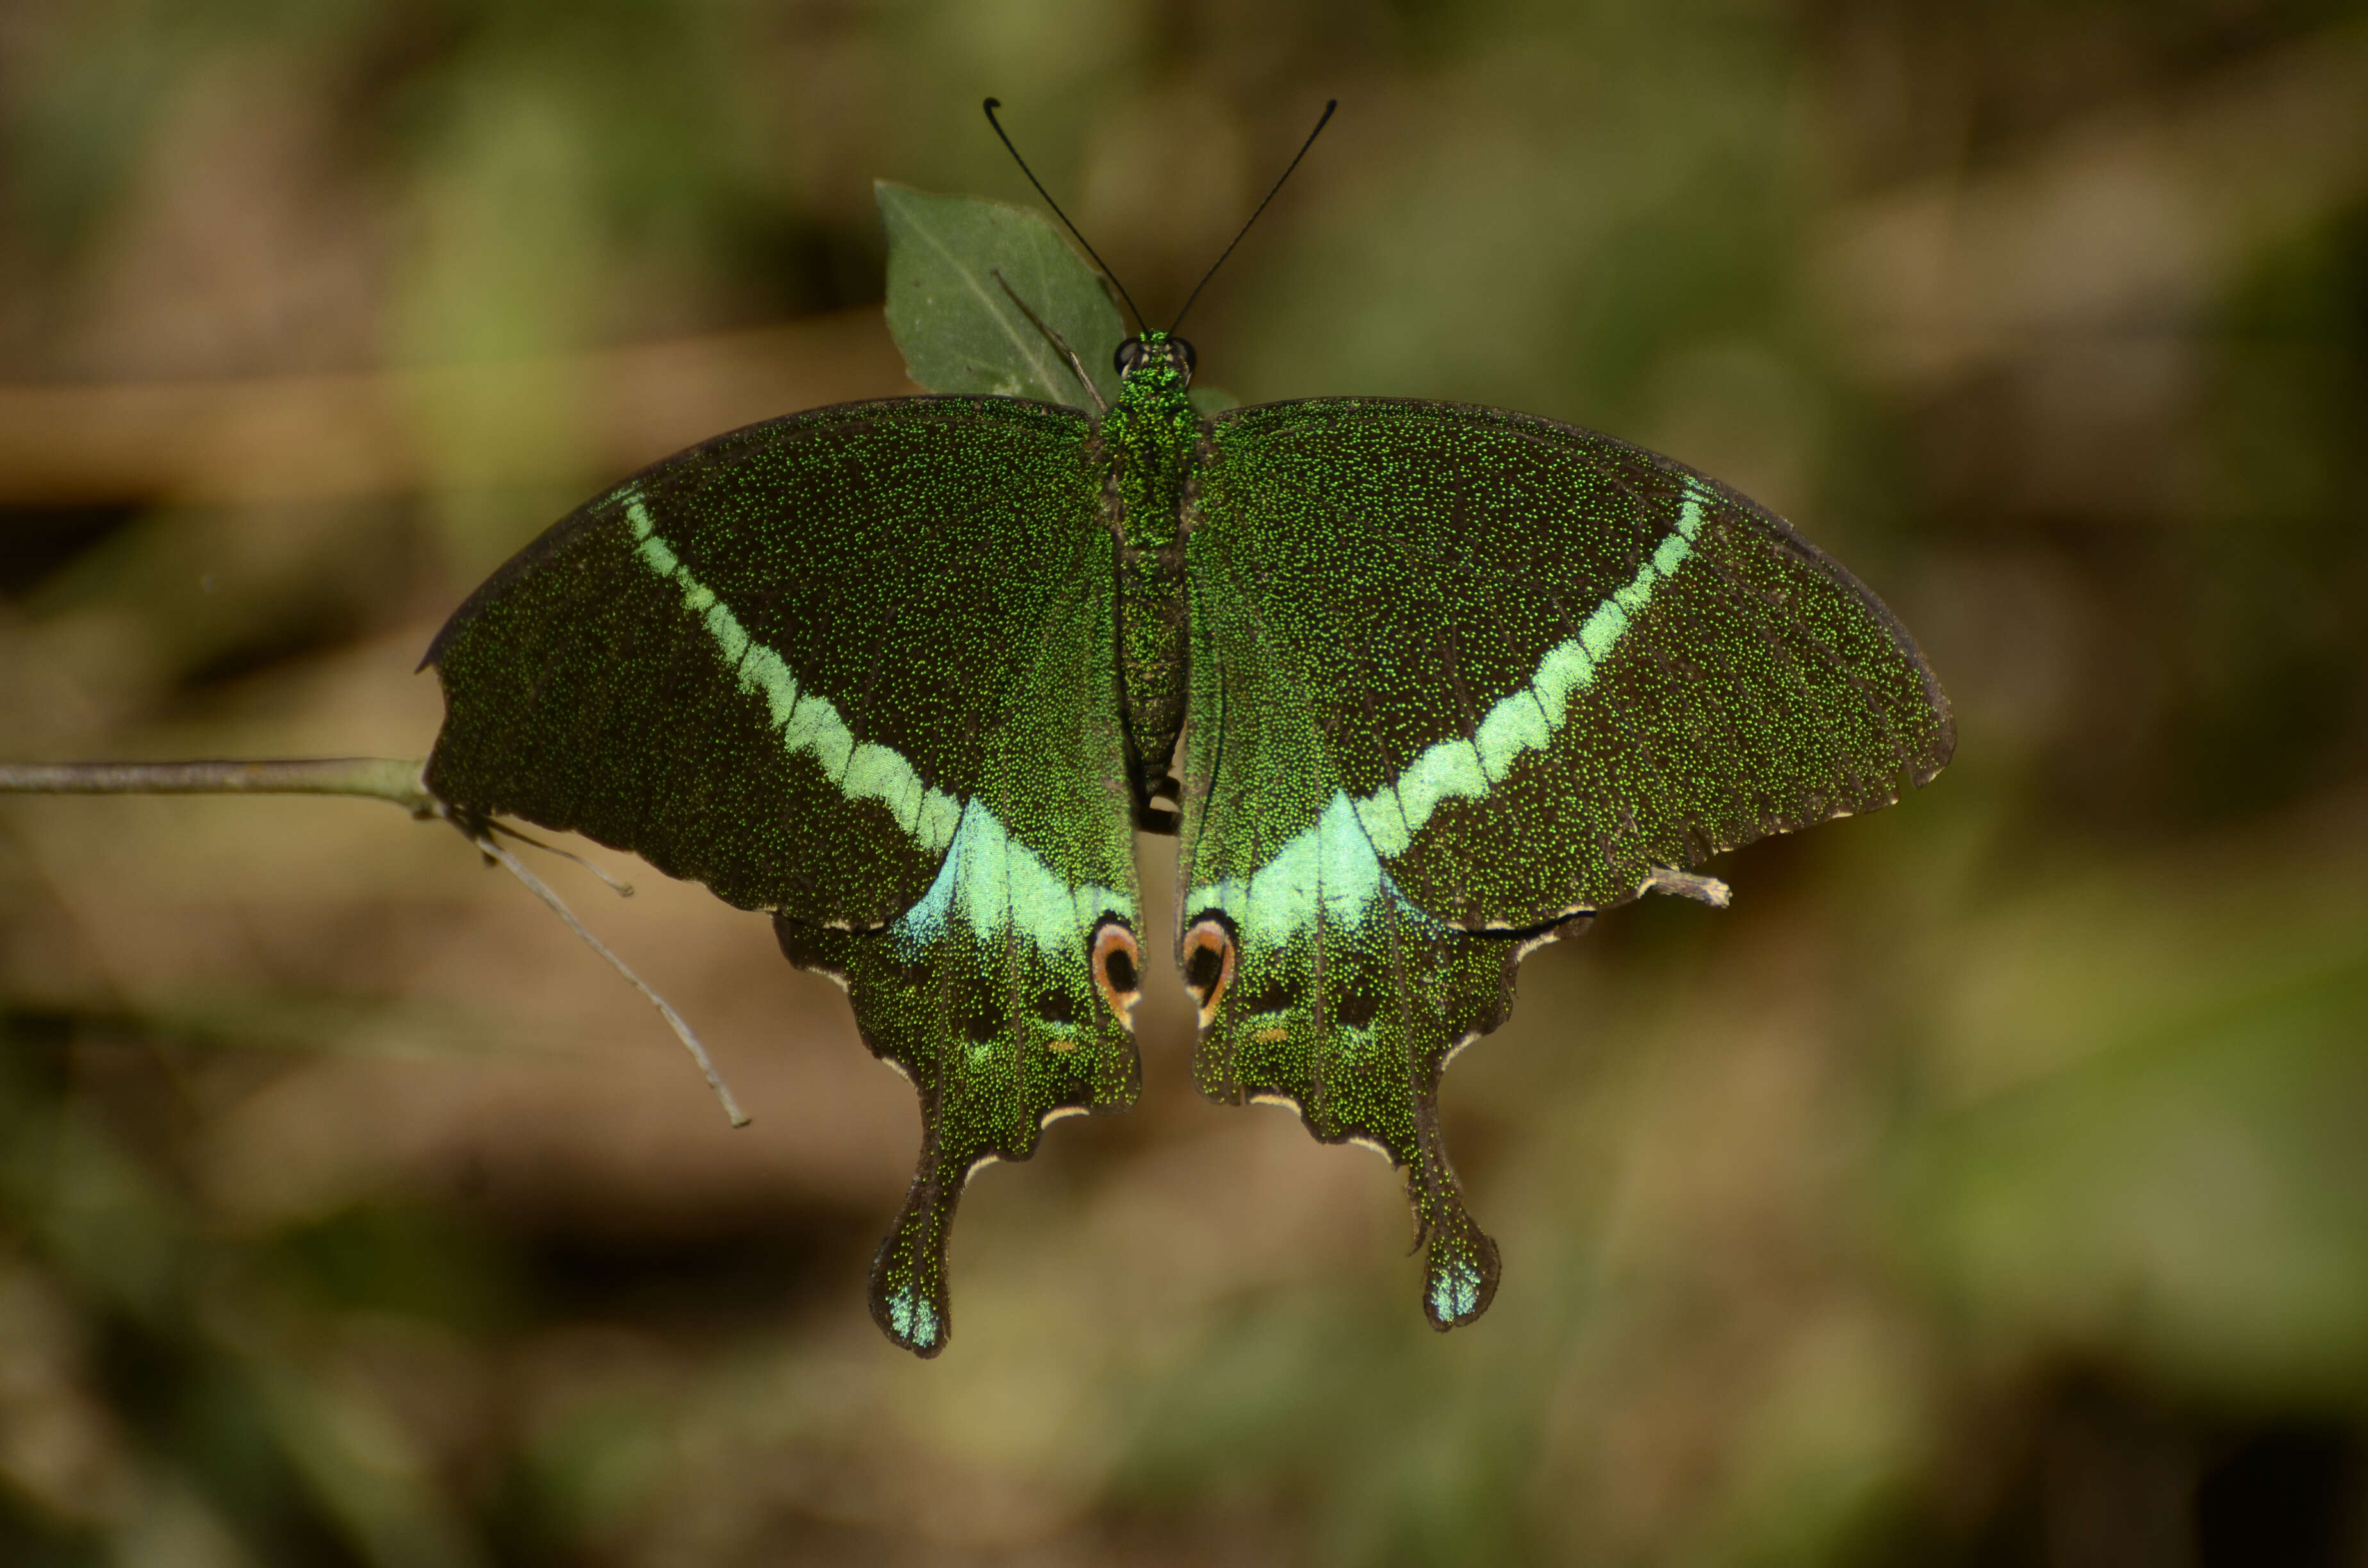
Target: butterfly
(1418, 688)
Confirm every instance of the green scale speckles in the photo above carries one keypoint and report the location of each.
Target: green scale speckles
(1421, 687)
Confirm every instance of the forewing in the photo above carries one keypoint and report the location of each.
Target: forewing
(774, 663)
(1460, 678)
(1544, 662)
(857, 667)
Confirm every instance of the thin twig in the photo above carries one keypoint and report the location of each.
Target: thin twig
(534, 885)
(383, 778)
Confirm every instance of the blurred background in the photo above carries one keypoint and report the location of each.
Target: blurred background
(1988, 1185)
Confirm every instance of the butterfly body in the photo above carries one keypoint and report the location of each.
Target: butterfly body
(1153, 440)
(1418, 685)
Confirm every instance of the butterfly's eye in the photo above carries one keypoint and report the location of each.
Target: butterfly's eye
(1128, 355)
(1118, 968)
(1185, 350)
(1209, 963)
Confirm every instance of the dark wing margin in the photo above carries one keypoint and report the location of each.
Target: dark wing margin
(772, 663)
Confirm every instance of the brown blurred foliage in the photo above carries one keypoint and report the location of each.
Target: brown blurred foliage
(1989, 1185)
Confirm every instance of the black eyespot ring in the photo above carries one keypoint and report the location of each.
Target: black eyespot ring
(1210, 954)
(1117, 964)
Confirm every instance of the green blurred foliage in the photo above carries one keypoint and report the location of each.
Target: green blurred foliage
(1988, 1186)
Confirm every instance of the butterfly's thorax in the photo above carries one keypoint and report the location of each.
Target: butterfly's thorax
(1150, 440)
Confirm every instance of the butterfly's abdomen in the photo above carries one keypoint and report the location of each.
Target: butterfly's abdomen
(1150, 609)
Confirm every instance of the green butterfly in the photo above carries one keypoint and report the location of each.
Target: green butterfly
(1421, 688)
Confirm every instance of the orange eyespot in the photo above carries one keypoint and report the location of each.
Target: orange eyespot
(1118, 968)
(1209, 963)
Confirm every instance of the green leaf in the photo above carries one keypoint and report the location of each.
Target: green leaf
(1209, 401)
(957, 323)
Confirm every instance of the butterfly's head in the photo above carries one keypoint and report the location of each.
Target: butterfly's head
(1154, 354)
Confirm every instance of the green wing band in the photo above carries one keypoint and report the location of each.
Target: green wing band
(809, 724)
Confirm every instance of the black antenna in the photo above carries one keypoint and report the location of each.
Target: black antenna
(994, 104)
(1330, 105)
